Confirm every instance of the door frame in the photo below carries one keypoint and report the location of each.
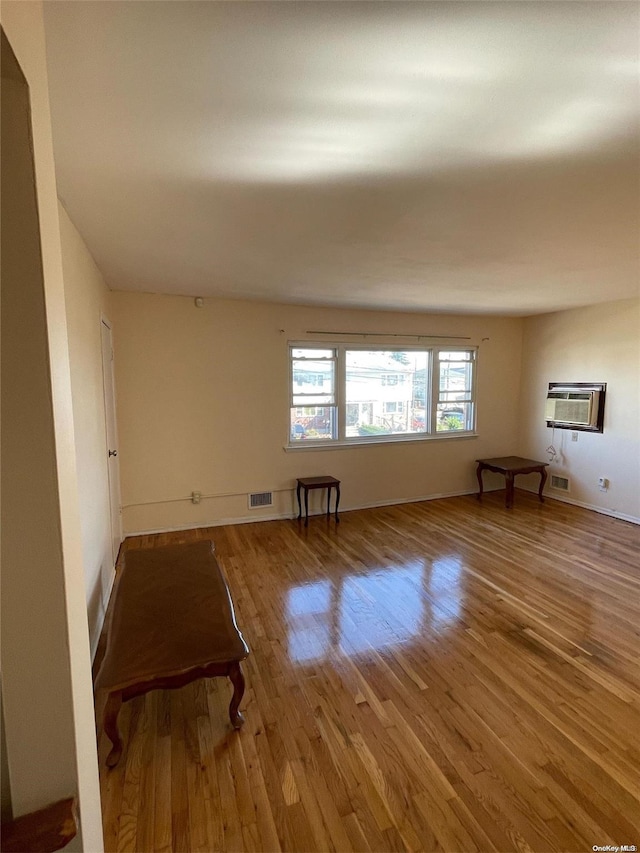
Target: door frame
(115, 523)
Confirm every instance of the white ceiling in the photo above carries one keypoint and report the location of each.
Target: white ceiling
(443, 156)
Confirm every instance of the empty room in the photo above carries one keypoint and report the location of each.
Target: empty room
(321, 426)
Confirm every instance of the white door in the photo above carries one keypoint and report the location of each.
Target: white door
(111, 449)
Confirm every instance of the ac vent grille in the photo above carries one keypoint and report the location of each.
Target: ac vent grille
(260, 499)
(572, 411)
(560, 483)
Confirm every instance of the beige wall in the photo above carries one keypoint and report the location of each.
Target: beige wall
(203, 406)
(596, 344)
(87, 299)
(46, 666)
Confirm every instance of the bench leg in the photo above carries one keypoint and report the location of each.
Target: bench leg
(111, 711)
(237, 679)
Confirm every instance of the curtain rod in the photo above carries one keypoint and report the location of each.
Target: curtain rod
(387, 335)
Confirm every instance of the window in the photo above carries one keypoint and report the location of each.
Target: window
(313, 394)
(455, 390)
(391, 379)
(345, 394)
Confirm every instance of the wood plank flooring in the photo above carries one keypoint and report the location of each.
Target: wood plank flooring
(447, 675)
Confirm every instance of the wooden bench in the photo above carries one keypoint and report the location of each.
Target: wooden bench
(171, 622)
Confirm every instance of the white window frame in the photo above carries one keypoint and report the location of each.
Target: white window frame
(334, 404)
(432, 396)
(469, 400)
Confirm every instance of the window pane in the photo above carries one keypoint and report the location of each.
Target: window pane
(312, 400)
(452, 396)
(316, 379)
(303, 352)
(385, 392)
(458, 355)
(313, 423)
(454, 416)
(456, 377)
(315, 373)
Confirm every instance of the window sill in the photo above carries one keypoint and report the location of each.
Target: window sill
(301, 446)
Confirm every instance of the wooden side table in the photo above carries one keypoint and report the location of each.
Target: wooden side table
(308, 483)
(510, 466)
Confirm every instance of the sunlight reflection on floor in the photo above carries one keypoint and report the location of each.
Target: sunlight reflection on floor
(377, 609)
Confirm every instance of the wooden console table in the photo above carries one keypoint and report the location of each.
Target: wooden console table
(510, 466)
(308, 483)
(171, 622)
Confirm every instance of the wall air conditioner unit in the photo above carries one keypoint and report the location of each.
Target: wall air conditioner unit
(573, 407)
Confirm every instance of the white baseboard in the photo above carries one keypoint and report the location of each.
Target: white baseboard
(220, 522)
(398, 501)
(244, 519)
(99, 623)
(612, 513)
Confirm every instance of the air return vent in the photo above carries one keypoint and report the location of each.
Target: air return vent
(258, 499)
(560, 483)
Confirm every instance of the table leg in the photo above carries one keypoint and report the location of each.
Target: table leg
(110, 720)
(543, 480)
(237, 679)
(509, 497)
(299, 504)
(479, 471)
(328, 501)
(306, 507)
(337, 501)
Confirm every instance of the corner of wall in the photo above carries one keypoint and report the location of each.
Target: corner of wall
(598, 343)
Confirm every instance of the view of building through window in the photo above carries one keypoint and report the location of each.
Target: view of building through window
(385, 392)
(348, 393)
(313, 376)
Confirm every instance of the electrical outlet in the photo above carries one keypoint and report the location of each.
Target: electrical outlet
(195, 497)
(574, 436)
(603, 484)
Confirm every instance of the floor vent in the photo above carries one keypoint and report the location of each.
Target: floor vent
(258, 499)
(560, 483)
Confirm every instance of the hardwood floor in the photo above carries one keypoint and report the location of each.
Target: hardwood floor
(446, 675)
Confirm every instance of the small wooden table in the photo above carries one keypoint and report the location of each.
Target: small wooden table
(308, 483)
(510, 466)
